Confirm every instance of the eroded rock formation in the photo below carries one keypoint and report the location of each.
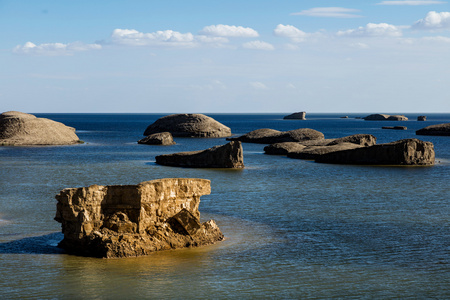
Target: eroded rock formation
(384, 117)
(271, 136)
(312, 152)
(134, 220)
(296, 116)
(22, 129)
(406, 152)
(161, 138)
(226, 156)
(438, 129)
(189, 125)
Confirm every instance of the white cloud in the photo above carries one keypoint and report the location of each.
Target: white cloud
(437, 39)
(289, 31)
(434, 20)
(258, 85)
(411, 2)
(54, 49)
(373, 30)
(258, 45)
(229, 31)
(359, 45)
(333, 12)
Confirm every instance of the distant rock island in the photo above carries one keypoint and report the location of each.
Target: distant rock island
(421, 118)
(189, 125)
(395, 127)
(384, 117)
(296, 116)
(134, 220)
(438, 129)
(226, 156)
(271, 136)
(22, 129)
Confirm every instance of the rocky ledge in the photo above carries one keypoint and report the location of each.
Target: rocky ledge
(384, 117)
(271, 136)
(189, 125)
(134, 220)
(408, 152)
(226, 156)
(22, 129)
(438, 129)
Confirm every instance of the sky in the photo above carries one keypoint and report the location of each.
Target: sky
(283, 56)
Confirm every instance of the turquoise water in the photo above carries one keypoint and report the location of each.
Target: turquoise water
(294, 228)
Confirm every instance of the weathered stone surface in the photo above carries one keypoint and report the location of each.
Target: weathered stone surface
(134, 220)
(296, 116)
(189, 125)
(384, 117)
(22, 129)
(226, 156)
(283, 148)
(403, 152)
(395, 127)
(271, 136)
(438, 129)
(161, 138)
(421, 118)
(359, 139)
(312, 152)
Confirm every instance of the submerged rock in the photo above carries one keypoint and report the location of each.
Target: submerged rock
(161, 138)
(384, 117)
(134, 220)
(22, 129)
(296, 116)
(226, 156)
(189, 125)
(271, 136)
(421, 118)
(438, 129)
(404, 152)
(395, 127)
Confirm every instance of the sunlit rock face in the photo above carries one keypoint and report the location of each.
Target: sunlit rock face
(134, 220)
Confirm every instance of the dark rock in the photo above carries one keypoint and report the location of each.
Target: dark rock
(21, 129)
(226, 156)
(403, 152)
(421, 118)
(189, 125)
(161, 138)
(395, 127)
(134, 220)
(271, 136)
(283, 148)
(384, 117)
(296, 116)
(312, 152)
(359, 139)
(438, 129)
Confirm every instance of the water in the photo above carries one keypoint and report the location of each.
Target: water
(294, 228)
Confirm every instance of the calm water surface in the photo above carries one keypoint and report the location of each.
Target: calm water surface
(294, 228)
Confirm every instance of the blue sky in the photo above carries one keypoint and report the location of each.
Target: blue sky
(225, 56)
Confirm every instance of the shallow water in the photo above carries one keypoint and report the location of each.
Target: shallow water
(294, 228)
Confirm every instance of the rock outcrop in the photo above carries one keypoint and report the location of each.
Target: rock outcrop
(384, 117)
(359, 139)
(189, 125)
(395, 127)
(312, 152)
(421, 118)
(134, 220)
(296, 116)
(161, 138)
(406, 152)
(271, 136)
(226, 156)
(283, 148)
(22, 129)
(438, 129)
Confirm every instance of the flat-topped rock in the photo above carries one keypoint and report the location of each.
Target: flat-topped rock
(385, 117)
(395, 127)
(22, 129)
(407, 152)
(438, 129)
(189, 125)
(296, 116)
(133, 220)
(271, 136)
(226, 156)
(312, 152)
(161, 138)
